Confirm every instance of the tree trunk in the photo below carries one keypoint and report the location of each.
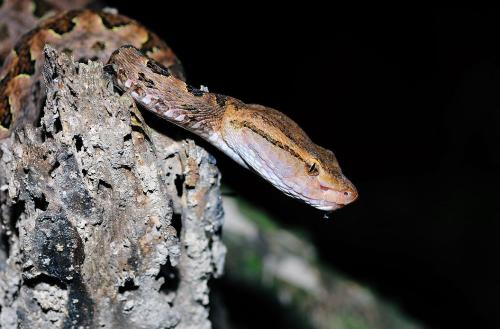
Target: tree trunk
(105, 222)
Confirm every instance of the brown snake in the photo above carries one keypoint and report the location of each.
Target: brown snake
(257, 137)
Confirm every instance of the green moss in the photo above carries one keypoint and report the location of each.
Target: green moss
(348, 321)
(251, 265)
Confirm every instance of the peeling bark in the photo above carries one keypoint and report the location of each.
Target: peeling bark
(105, 222)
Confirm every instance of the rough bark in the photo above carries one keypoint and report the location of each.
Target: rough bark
(105, 222)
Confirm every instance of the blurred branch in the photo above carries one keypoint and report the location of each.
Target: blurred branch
(283, 266)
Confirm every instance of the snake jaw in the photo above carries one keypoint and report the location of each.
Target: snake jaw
(336, 193)
(331, 200)
(329, 208)
(342, 197)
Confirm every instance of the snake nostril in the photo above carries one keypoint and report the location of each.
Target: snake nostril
(350, 195)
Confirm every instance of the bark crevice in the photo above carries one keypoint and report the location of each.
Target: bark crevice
(90, 205)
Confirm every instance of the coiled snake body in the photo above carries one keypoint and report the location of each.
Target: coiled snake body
(257, 137)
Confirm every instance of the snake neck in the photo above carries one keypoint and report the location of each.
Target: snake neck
(157, 90)
(154, 87)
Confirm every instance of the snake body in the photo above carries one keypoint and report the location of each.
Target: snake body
(85, 34)
(257, 137)
(19, 16)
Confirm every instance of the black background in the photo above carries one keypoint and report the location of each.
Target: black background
(408, 102)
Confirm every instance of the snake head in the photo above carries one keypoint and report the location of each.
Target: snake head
(328, 189)
(275, 147)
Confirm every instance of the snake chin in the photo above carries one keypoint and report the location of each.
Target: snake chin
(330, 207)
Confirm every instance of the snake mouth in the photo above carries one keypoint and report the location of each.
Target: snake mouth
(324, 188)
(338, 198)
(323, 202)
(325, 197)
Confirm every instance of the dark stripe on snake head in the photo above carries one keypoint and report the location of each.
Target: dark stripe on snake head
(267, 137)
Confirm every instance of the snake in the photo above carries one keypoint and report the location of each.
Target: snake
(143, 66)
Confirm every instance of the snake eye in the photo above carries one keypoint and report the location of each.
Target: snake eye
(312, 170)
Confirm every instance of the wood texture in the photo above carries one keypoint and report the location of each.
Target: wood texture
(105, 222)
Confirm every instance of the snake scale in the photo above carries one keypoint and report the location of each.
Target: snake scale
(141, 64)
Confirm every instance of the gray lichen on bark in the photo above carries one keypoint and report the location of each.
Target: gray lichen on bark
(105, 222)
